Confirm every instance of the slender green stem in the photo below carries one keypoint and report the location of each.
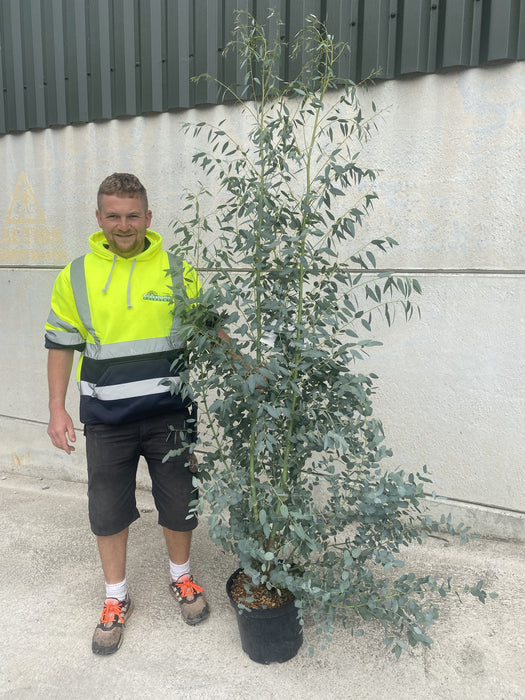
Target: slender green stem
(257, 264)
(217, 440)
(295, 372)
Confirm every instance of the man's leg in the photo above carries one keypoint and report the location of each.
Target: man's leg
(179, 544)
(112, 550)
(112, 457)
(173, 491)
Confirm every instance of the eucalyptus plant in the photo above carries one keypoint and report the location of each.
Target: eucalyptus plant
(291, 472)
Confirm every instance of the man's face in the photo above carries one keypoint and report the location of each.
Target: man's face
(124, 222)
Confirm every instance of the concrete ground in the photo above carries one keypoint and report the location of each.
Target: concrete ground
(51, 592)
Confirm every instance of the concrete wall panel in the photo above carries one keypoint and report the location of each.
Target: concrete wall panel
(452, 147)
(450, 392)
(23, 359)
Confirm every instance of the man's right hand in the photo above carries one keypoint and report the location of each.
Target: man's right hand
(61, 431)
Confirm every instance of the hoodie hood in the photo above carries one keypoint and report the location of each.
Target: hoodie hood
(99, 246)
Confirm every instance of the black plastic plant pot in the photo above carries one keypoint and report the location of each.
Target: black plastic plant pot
(268, 635)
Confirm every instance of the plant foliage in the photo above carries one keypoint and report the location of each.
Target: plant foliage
(291, 469)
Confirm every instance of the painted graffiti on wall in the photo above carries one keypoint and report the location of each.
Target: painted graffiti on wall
(26, 239)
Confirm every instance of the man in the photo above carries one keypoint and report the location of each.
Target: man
(114, 306)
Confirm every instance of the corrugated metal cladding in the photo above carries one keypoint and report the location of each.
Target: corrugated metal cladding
(67, 61)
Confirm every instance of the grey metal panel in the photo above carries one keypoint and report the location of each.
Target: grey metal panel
(5, 65)
(393, 43)
(477, 26)
(76, 61)
(51, 18)
(457, 33)
(179, 45)
(433, 38)
(68, 61)
(57, 52)
(504, 29)
(415, 36)
(34, 88)
(232, 74)
(273, 16)
(105, 24)
(297, 13)
(125, 68)
(2, 98)
(99, 41)
(51, 78)
(520, 50)
(151, 46)
(381, 28)
(208, 22)
(158, 80)
(15, 77)
(374, 38)
(342, 18)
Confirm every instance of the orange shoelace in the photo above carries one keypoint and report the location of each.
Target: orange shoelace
(111, 610)
(187, 587)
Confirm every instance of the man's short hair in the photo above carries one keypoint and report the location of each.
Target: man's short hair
(123, 185)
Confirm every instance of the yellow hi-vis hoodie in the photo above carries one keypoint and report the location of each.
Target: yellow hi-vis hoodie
(119, 313)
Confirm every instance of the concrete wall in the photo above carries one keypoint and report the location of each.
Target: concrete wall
(451, 387)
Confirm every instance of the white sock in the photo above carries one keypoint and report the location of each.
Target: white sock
(117, 590)
(178, 570)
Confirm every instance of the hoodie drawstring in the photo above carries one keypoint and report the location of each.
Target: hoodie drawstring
(128, 295)
(104, 291)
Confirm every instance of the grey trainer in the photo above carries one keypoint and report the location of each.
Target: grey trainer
(109, 633)
(193, 605)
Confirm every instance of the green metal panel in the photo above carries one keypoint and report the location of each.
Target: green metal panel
(69, 61)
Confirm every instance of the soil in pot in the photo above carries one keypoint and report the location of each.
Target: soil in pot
(269, 629)
(257, 597)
